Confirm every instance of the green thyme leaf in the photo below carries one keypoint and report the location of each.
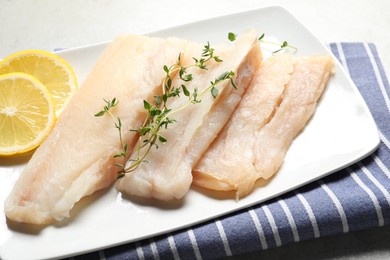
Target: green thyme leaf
(144, 130)
(214, 92)
(166, 68)
(185, 90)
(232, 36)
(261, 37)
(162, 139)
(118, 123)
(147, 105)
(158, 100)
(217, 59)
(101, 113)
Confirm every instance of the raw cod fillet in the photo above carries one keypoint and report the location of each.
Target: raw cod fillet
(277, 106)
(167, 175)
(76, 159)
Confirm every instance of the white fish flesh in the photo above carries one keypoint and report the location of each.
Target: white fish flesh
(277, 106)
(76, 159)
(167, 175)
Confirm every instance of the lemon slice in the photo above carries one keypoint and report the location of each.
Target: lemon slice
(51, 70)
(26, 113)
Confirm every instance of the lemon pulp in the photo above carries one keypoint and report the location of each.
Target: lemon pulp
(26, 113)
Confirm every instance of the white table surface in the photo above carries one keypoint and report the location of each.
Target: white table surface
(47, 24)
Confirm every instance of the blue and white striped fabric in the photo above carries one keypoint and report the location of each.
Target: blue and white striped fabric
(354, 199)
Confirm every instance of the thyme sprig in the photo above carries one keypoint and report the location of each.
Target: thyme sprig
(282, 46)
(159, 115)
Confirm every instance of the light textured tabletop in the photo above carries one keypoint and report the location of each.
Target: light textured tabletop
(46, 24)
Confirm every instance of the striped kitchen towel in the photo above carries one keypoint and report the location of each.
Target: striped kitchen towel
(356, 198)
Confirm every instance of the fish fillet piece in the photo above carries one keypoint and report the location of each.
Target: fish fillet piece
(76, 159)
(229, 158)
(167, 175)
(277, 106)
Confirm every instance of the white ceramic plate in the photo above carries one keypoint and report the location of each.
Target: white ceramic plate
(341, 132)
